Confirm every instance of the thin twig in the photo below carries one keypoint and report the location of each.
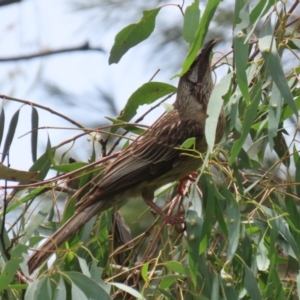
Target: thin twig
(293, 7)
(84, 47)
(152, 77)
(4, 97)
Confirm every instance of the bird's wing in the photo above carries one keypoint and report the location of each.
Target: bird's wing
(146, 158)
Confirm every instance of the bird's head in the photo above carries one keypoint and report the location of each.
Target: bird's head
(197, 81)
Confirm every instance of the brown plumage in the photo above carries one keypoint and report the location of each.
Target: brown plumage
(151, 160)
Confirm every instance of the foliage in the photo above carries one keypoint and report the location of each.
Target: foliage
(242, 238)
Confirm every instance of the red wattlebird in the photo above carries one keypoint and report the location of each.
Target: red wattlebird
(151, 161)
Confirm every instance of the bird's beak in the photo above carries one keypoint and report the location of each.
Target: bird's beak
(201, 64)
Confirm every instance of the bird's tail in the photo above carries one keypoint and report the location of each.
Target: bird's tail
(62, 235)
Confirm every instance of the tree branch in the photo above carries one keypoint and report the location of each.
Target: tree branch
(7, 2)
(84, 47)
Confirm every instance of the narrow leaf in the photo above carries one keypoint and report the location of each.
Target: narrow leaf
(132, 35)
(297, 178)
(69, 167)
(208, 14)
(193, 230)
(213, 109)
(36, 221)
(267, 46)
(10, 134)
(16, 175)
(128, 290)
(233, 223)
(12, 266)
(34, 132)
(250, 115)
(251, 284)
(241, 46)
(275, 107)
(257, 13)
(43, 163)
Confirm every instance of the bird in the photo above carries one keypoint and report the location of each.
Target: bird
(151, 160)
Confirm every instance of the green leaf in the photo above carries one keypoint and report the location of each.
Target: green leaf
(209, 194)
(36, 290)
(213, 110)
(233, 107)
(144, 272)
(193, 230)
(60, 291)
(69, 167)
(208, 14)
(12, 266)
(188, 143)
(10, 134)
(132, 35)
(146, 94)
(16, 175)
(250, 284)
(128, 290)
(34, 193)
(215, 289)
(267, 46)
(178, 267)
(36, 221)
(6, 240)
(233, 223)
(168, 295)
(275, 107)
(297, 178)
(262, 259)
(191, 21)
(298, 283)
(250, 115)
(229, 290)
(281, 149)
(241, 46)
(43, 163)
(34, 132)
(257, 13)
(85, 287)
(168, 280)
(130, 128)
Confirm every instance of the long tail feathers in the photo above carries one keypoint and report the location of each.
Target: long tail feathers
(62, 235)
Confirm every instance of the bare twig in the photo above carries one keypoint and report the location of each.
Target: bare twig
(4, 97)
(84, 47)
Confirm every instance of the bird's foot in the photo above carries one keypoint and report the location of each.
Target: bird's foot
(192, 177)
(174, 219)
(178, 221)
(168, 218)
